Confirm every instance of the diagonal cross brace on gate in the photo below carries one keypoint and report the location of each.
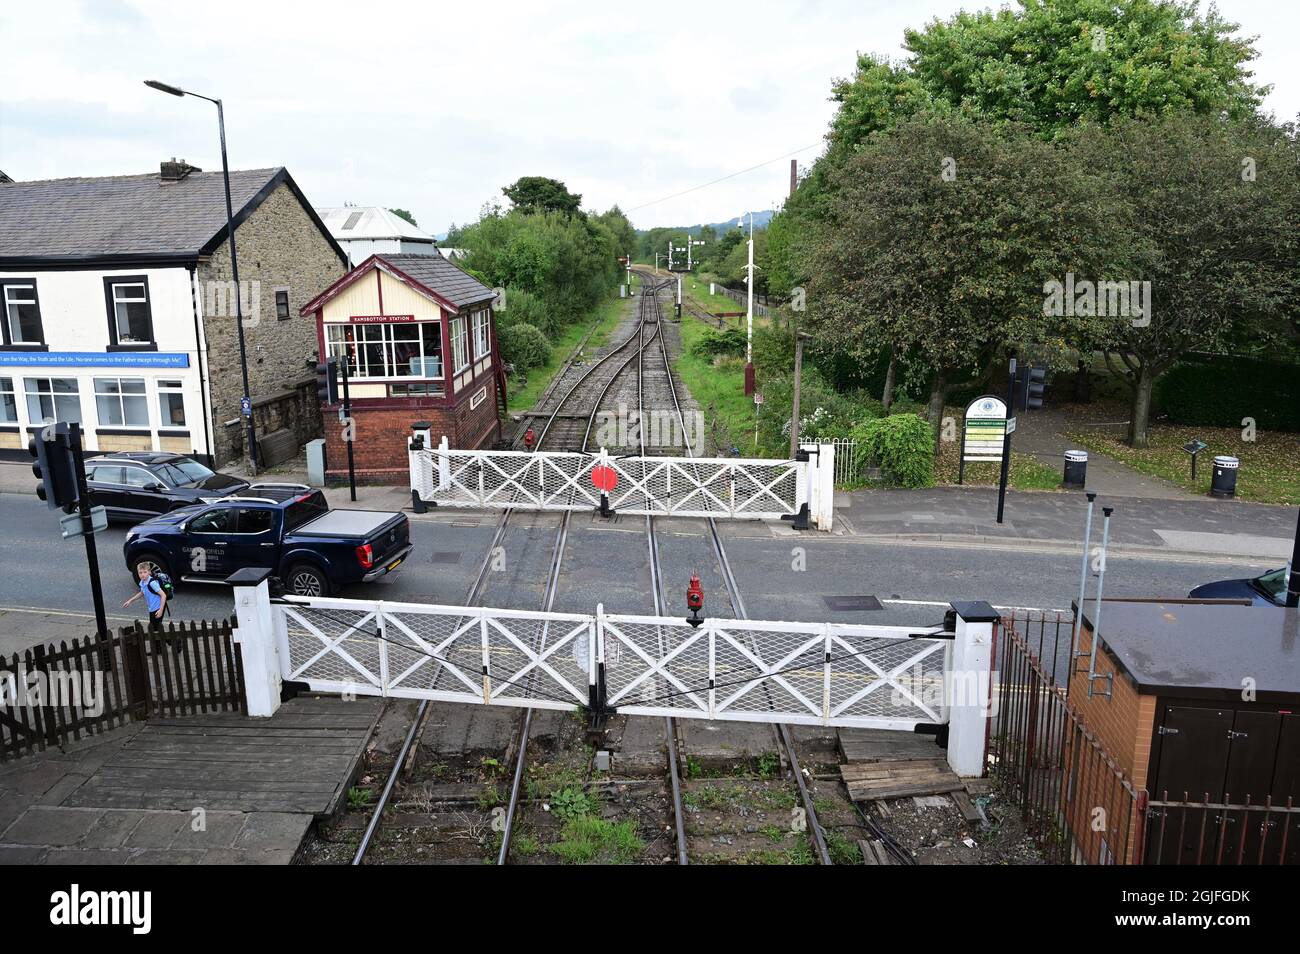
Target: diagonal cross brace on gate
(802, 673)
(719, 487)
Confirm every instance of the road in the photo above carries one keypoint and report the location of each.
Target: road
(44, 588)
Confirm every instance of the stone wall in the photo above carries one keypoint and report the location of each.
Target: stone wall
(280, 248)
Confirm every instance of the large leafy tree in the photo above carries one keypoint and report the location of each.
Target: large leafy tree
(1213, 207)
(939, 235)
(540, 194)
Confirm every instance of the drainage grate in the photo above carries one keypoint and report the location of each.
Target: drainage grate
(444, 556)
(849, 604)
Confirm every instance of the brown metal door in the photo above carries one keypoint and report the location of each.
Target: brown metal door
(1252, 758)
(1193, 763)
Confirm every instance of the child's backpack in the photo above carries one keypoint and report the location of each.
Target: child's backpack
(164, 583)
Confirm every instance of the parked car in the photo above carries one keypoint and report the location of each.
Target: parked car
(1266, 590)
(138, 485)
(288, 528)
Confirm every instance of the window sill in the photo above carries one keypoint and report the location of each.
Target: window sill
(144, 346)
(24, 346)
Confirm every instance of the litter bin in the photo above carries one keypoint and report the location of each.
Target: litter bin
(1224, 483)
(1076, 469)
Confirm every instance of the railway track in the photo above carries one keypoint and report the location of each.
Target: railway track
(589, 393)
(570, 424)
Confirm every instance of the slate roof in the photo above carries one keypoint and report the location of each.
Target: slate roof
(441, 276)
(129, 218)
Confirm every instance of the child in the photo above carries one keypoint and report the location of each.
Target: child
(153, 594)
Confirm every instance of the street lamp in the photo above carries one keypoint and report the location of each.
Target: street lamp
(749, 308)
(245, 404)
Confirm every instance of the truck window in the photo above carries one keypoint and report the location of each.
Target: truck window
(212, 521)
(305, 508)
(255, 519)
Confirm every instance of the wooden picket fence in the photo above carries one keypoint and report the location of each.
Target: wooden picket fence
(50, 695)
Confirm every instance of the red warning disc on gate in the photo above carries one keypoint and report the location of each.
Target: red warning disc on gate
(604, 478)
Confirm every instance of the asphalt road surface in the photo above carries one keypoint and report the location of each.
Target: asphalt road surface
(782, 577)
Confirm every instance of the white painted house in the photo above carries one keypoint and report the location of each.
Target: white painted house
(115, 313)
(366, 231)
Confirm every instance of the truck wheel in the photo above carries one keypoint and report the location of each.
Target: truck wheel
(306, 580)
(153, 561)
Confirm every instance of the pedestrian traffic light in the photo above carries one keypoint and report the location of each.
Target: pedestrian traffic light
(327, 381)
(1035, 381)
(54, 466)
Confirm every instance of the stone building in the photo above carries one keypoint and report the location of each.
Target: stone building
(119, 309)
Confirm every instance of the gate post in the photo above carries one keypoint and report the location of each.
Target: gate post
(969, 689)
(421, 478)
(255, 633)
(821, 487)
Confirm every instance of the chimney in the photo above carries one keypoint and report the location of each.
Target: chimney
(174, 171)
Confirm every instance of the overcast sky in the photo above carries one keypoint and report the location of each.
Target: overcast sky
(433, 106)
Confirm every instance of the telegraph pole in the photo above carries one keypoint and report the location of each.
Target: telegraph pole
(749, 311)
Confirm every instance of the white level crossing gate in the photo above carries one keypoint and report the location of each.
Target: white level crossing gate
(828, 674)
(744, 670)
(722, 487)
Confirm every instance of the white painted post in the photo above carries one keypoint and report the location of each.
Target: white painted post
(421, 476)
(444, 464)
(822, 475)
(969, 689)
(255, 633)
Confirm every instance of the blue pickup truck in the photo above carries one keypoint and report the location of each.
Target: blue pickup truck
(286, 527)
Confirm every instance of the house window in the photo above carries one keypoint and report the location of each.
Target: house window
(482, 340)
(22, 319)
(52, 399)
(459, 346)
(171, 404)
(130, 319)
(282, 303)
(388, 350)
(120, 402)
(8, 402)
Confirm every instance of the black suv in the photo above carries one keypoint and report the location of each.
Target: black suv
(138, 485)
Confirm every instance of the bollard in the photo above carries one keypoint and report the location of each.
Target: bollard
(1076, 469)
(1224, 482)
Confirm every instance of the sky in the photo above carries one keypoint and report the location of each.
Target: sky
(434, 106)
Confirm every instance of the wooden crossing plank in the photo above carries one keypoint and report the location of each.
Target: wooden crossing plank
(886, 745)
(868, 781)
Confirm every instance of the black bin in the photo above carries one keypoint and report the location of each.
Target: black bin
(1076, 469)
(1224, 483)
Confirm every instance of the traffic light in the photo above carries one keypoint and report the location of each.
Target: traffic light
(1035, 381)
(54, 466)
(327, 381)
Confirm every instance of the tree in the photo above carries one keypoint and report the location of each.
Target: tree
(403, 214)
(540, 194)
(940, 235)
(1052, 63)
(1213, 207)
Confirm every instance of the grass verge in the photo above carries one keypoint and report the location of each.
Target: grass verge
(1270, 464)
(601, 324)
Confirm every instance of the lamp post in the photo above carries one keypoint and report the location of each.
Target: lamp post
(245, 405)
(749, 308)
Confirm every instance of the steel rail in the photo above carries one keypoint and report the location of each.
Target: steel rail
(738, 604)
(552, 582)
(473, 596)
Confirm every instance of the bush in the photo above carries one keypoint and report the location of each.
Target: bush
(713, 344)
(903, 445)
(1219, 392)
(524, 346)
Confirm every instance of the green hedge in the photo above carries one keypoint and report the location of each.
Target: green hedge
(1219, 392)
(524, 346)
(903, 445)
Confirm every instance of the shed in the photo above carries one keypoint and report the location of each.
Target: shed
(1199, 703)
